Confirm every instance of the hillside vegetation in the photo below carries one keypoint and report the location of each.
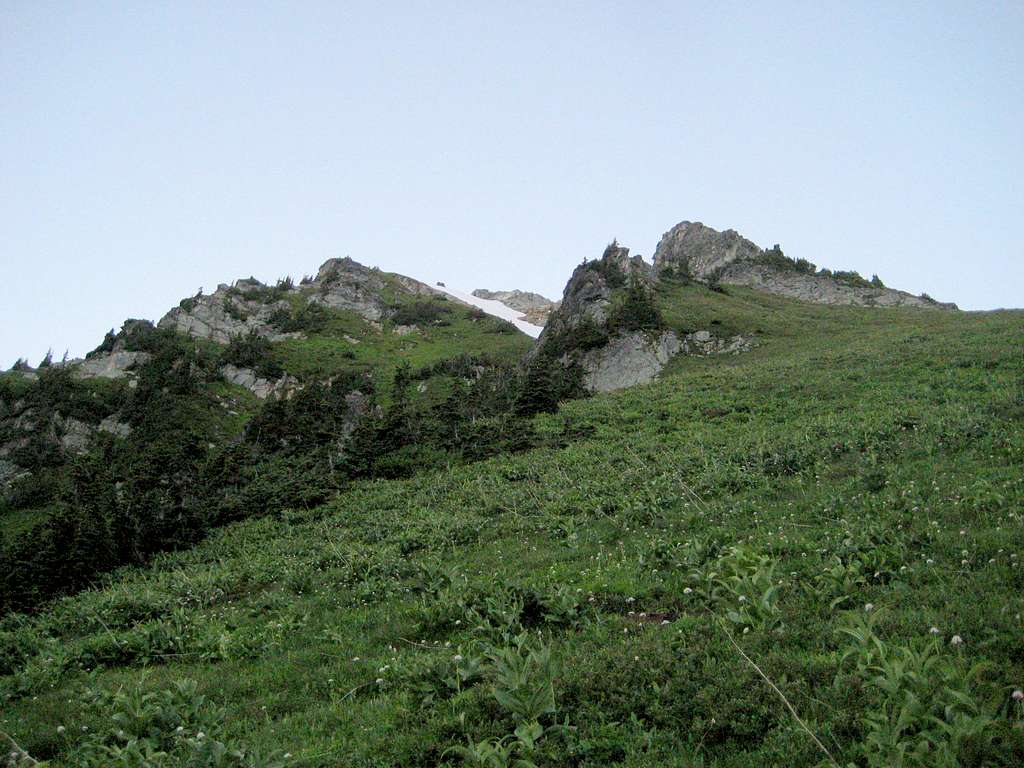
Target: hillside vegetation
(426, 386)
(807, 554)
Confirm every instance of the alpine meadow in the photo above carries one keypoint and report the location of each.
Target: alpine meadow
(730, 509)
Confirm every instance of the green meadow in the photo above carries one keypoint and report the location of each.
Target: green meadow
(805, 555)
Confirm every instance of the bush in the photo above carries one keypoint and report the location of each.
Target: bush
(852, 278)
(252, 351)
(309, 317)
(608, 267)
(504, 327)
(421, 313)
(637, 310)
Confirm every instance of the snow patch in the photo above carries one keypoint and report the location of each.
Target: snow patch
(495, 308)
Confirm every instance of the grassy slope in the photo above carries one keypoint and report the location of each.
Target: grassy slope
(888, 438)
(376, 350)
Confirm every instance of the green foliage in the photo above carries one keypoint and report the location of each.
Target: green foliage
(930, 708)
(855, 457)
(421, 312)
(252, 351)
(851, 278)
(301, 316)
(608, 267)
(636, 310)
(172, 726)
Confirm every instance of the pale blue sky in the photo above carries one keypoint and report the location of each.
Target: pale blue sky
(148, 149)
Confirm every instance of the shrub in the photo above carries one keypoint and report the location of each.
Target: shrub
(497, 325)
(309, 317)
(421, 313)
(252, 351)
(852, 278)
(637, 310)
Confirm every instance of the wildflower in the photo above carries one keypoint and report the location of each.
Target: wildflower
(1018, 695)
(200, 736)
(379, 681)
(61, 729)
(687, 591)
(956, 640)
(181, 729)
(869, 607)
(457, 658)
(934, 631)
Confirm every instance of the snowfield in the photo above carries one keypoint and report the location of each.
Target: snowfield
(495, 308)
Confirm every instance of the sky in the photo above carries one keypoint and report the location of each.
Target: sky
(150, 149)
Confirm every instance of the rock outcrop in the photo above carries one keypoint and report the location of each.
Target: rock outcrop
(707, 255)
(638, 357)
(234, 310)
(583, 331)
(535, 308)
(249, 306)
(588, 293)
(628, 360)
(259, 386)
(109, 365)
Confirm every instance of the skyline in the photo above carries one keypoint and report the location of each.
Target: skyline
(151, 151)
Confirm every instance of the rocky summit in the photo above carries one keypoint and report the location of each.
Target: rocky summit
(699, 252)
(535, 308)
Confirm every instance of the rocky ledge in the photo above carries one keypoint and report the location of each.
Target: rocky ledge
(698, 252)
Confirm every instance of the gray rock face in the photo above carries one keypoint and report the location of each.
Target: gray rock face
(9, 472)
(112, 365)
(347, 284)
(114, 427)
(262, 388)
(226, 313)
(704, 254)
(535, 308)
(635, 358)
(249, 306)
(821, 289)
(701, 251)
(638, 357)
(74, 435)
(588, 292)
(626, 359)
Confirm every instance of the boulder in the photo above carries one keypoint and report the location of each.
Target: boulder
(259, 386)
(628, 360)
(112, 426)
(110, 365)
